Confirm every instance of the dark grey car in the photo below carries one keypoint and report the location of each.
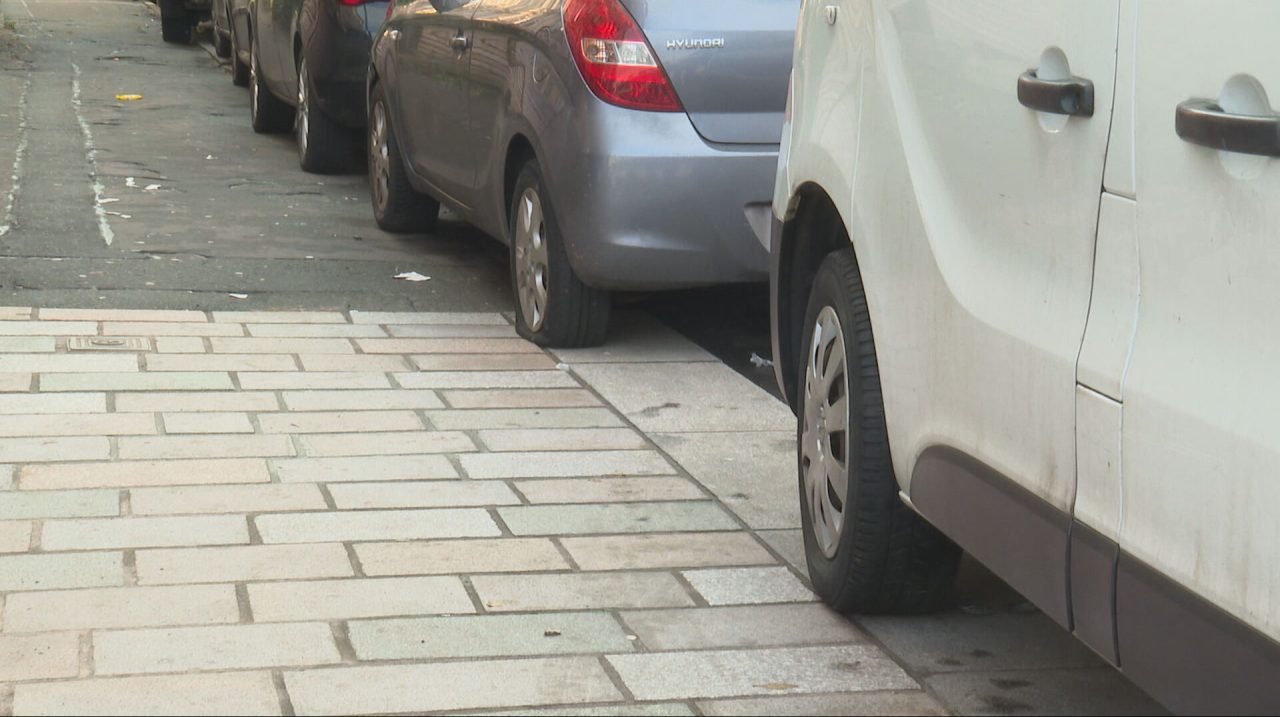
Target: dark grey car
(307, 61)
(614, 144)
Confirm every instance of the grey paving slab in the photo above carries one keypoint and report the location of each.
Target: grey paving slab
(630, 709)
(547, 633)
(742, 673)
(284, 601)
(482, 418)
(213, 647)
(579, 591)
(365, 525)
(752, 473)
(670, 550)
(749, 626)
(211, 695)
(609, 490)
(59, 504)
(742, 586)
(422, 494)
(855, 704)
(442, 557)
(66, 570)
(1098, 691)
(616, 518)
(564, 464)
(789, 544)
(635, 337)
(364, 468)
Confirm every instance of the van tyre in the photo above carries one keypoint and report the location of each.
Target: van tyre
(553, 307)
(397, 206)
(324, 147)
(175, 24)
(268, 113)
(867, 552)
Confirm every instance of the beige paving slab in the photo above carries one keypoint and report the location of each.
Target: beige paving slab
(851, 704)
(359, 598)
(280, 317)
(15, 313)
(452, 331)
(364, 469)
(124, 474)
(8, 478)
(28, 344)
(88, 424)
(39, 657)
(743, 586)
(312, 379)
(564, 464)
(360, 400)
(450, 686)
(579, 591)
(180, 344)
(256, 345)
(379, 363)
(51, 572)
(15, 536)
(220, 362)
(673, 550)
(486, 379)
(522, 398)
(215, 422)
(445, 318)
(261, 498)
(740, 673)
(752, 473)
(430, 494)
(339, 421)
(11, 404)
(446, 346)
(488, 636)
(46, 328)
(211, 695)
(366, 525)
(58, 504)
(69, 363)
(242, 563)
(635, 337)
(442, 557)
(160, 381)
(16, 382)
(385, 444)
(51, 448)
(207, 446)
(678, 397)
(616, 518)
(129, 532)
(220, 647)
(137, 328)
(567, 439)
(483, 362)
(508, 418)
(627, 709)
(213, 401)
(315, 331)
(751, 626)
(609, 490)
(103, 608)
(158, 315)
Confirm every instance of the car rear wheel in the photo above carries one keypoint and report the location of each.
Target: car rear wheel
(867, 552)
(397, 207)
(323, 146)
(553, 306)
(176, 23)
(267, 112)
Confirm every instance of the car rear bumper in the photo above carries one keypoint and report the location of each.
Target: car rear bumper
(645, 203)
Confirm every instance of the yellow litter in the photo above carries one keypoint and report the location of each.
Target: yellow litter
(128, 98)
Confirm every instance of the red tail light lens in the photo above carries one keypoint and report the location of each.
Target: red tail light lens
(615, 57)
(353, 3)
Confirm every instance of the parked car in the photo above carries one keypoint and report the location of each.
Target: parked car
(307, 61)
(613, 144)
(178, 18)
(1031, 311)
(226, 15)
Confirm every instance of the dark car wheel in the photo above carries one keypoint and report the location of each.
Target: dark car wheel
(397, 207)
(239, 70)
(553, 306)
(268, 113)
(175, 23)
(324, 147)
(867, 552)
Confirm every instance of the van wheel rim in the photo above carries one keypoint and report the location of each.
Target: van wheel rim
(824, 438)
(380, 150)
(530, 247)
(303, 121)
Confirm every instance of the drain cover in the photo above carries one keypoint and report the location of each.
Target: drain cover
(108, 343)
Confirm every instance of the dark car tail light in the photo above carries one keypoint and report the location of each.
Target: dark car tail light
(354, 3)
(615, 58)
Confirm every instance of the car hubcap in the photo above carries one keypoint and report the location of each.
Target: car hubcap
(824, 439)
(531, 259)
(303, 122)
(380, 151)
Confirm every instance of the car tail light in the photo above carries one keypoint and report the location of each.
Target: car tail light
(615, 58)
(354, 3)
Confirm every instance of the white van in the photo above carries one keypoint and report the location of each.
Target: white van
(1026, 303)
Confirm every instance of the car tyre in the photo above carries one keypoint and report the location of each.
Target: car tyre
(268, 113)
(222, 44)
(324, 147)
(553, 306)
(397, 206)
(175, 23)
(867, 552)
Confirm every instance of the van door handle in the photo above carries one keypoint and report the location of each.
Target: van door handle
(460, 42)
(1205, 123)
(1060, 97)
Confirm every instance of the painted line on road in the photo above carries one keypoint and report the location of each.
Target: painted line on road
(91, 152)
(28, 9)
(19, 158)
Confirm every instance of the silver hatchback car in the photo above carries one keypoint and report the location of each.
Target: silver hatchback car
(615, 145)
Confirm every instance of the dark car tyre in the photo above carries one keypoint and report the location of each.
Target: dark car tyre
(867, 552)
(397, 207)
(268, 113)
(239, 70)
(553, 306)
(221, 45)
(175, 23)
(323, 146)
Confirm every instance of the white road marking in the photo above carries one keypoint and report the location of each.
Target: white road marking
(6, 222)
(28, 9)
(91, 152)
